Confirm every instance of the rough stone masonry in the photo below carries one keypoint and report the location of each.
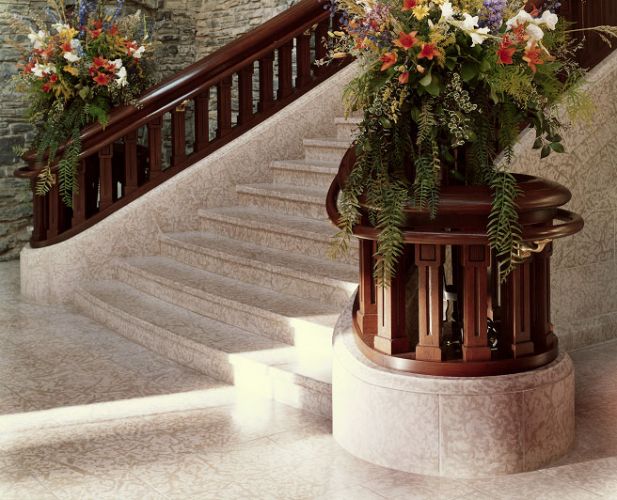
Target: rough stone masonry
(187, 30)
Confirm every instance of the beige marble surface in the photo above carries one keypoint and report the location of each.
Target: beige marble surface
(150, 429)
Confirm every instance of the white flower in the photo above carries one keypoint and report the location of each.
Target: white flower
(470, 23)
(535, 33)
(41, 70)
(117, 63)
(60, 27)
(549, 19)
(121, 80)
(71, 57)
(523, 17)
(139, 52)
(447, 11)
(37, 39)
(478, 36)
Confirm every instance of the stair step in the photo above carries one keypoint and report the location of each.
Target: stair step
(296, 274)
(308, 202)
(258, 364)
(290, 233)
(304, 323)
(326, 149)
(304, 173)
(347, 128)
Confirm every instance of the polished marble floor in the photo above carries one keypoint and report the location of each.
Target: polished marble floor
(86, 414)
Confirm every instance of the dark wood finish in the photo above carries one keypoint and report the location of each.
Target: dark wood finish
(245, 95)
(541, 328)
(39, 219)
(202, 120)
(53, 197)
(155, 145)
(367, 314)
(178, 135)
(285, 68)
(223, 112)
(106, 176)
(303, 58)
(79, 197)
(430, 260)
(476, 259)
(266, 85)
(130, 162)
(321, 49)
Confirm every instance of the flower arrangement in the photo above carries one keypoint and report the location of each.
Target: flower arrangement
(80, 63)
(446, 84)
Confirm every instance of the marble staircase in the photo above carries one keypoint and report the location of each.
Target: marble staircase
(250, 297)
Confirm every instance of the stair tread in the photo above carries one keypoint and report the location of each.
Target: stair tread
(331, 142)
(239, 344)
(262, 255)
(227, 288)
(279, 222)
(316, 166)
(285, 191)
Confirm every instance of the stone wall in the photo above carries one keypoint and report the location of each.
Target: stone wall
(187, 30)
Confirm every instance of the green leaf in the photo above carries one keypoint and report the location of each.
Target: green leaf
(546, 151)
(557, 147)
(469, 71)
(426, 81)
(539, 143)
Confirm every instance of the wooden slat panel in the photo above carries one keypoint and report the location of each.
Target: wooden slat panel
(285, 71)
(178, 135)
(245, 95)
(303, 57)
(130, 162)
(516, 309)
(39, 213)
(155, 146)
(224, 107)
(367, 291)
(79, 197)
(106, 176)
(266, 83)
(202, 120)
(430, 260)
(541, 327)
(321, 50)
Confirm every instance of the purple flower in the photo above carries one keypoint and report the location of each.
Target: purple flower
(493, 14)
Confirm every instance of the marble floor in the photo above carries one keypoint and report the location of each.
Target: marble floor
(86, 414)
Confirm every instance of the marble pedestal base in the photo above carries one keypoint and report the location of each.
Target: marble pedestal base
(456, 427)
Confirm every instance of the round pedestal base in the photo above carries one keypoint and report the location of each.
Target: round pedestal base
(456, 427)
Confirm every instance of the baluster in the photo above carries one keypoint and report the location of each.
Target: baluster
(542, 328)
(321, 49)
(79, 197)
(39, 223)
(106, 176)
(285, 70)
(53, 200)
(245, 94)
(367, 312)
(224, 106)
(475, 260)
(155, 146)
(303, 58)
(130, 162)
(178, 135)
(202, 120)
(391, 335)
(266, 86)
(430, 260)
(517, 310)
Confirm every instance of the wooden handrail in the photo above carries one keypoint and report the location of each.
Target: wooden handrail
(111, 157)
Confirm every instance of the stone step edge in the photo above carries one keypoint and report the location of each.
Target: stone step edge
(271, 192)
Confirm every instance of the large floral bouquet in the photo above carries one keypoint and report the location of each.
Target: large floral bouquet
(446, 84)
(80, 64)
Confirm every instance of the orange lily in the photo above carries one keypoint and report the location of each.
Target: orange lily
(406, 40)
(404, 78)
(533, 57)
(409, 4)
(388, 59)
(429, 51)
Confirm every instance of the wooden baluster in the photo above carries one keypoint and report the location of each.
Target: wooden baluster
(106, 176)
(178, 135)
(430, 260)
(367, 291)
(245, 94)
(79, 197)
(53, 207)
(391, 335)
(224, 107)
(202, 120)
(542, 328)
(285, 71)
(303, 58)
(321, 49)
(475, 260)
(155, 146)
(266, 83)
(130, 162)
(39, 219)
(516, 309)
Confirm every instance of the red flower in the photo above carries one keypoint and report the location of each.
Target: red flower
(29, 66)
(388, 59)
(505, 54)
(404, 78)
(406, 40)
(113, 31)
(409, 4)
(521, 33)
(102, 79)
(66, 47)
(533, 57)
(53, 78)
(47, 88)
(429, 51)
(99, 62)
(95, 33)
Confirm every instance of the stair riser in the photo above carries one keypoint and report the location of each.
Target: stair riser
(319, 248)
(347, 131)
(303, 178)
(290, 207)
(211, 306)
(329, 292)
(253, 377)
(324, 153)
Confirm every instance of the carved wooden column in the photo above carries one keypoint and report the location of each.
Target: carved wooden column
(178, 135)
(202, 120)
(541, 327)
(224, 107)
(245, 94)
(367, 291)
(130, 162)
(475, 260)
(516, 309)
(106, 176)
(266, 83)
(285, 70)
(155, 146)
(391, 336)
(79, 196)
(430, 260)
(39, 213)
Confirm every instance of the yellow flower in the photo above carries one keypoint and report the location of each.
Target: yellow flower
(420, 12)
(67, 34)
(71, 70)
